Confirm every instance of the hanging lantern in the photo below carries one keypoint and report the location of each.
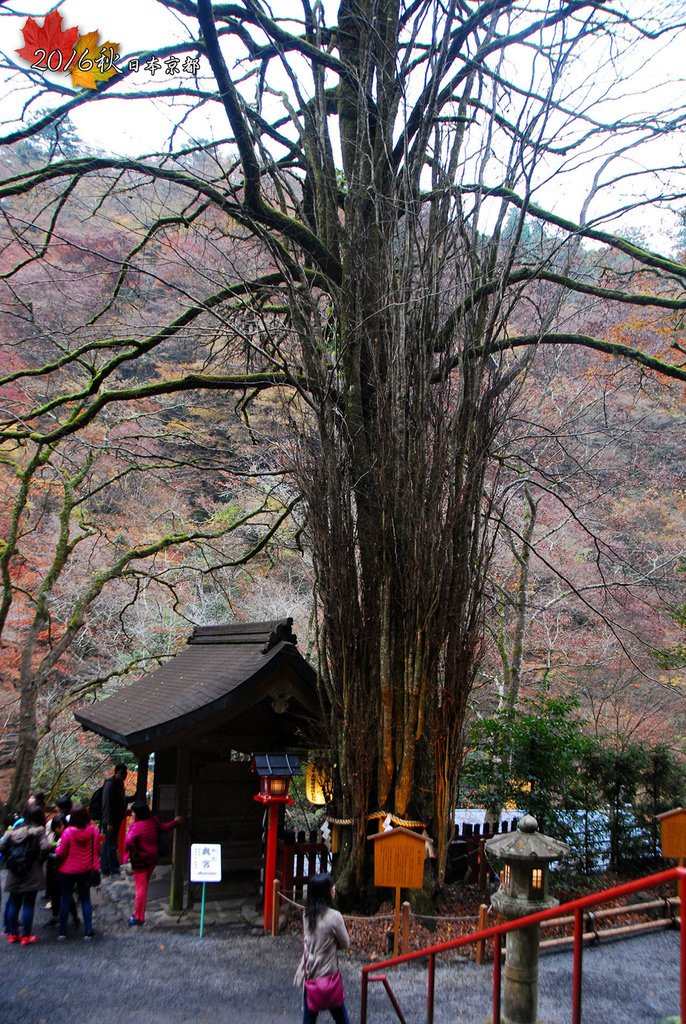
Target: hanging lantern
(317, 784)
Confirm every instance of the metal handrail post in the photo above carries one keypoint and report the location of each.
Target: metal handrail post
(578, 964)
(497, 967)
(391, 995)
(430, 989)
(682, 947)
(363, 997)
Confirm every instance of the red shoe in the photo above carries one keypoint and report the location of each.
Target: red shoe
(13, 938)
(28, 940)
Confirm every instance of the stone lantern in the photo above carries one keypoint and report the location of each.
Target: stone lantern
(526, 855)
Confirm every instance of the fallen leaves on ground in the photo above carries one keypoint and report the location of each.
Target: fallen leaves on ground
(457, 915)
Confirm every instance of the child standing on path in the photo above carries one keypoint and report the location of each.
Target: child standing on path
(142, 844)
(52, 875)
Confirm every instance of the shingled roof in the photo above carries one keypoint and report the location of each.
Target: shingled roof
(223, 670)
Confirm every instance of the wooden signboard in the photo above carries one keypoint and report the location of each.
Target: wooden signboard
(673, 829)
(399, 856)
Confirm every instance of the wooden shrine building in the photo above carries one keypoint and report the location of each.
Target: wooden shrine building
(232, 691)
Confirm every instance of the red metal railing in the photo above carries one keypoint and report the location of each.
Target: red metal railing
(576, 907)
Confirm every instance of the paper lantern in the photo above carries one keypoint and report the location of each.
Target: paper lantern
(317, 784)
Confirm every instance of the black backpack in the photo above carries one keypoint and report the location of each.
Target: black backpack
(20, 857)
(95, 805)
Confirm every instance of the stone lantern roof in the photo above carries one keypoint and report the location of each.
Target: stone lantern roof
(527, 843)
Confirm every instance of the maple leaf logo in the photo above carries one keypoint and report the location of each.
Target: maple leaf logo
(95, 61)
(40, 41)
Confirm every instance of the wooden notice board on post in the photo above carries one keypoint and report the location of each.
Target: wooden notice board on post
(673, 833)
(399, 856)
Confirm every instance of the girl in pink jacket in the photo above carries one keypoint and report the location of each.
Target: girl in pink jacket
(78, 853)
(142, 849)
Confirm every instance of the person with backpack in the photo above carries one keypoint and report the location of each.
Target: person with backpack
(34, 800)
(95, 803)
(24, 849)
(142, 848)
(78, 855)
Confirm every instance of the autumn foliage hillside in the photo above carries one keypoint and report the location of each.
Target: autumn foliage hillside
(177, 508)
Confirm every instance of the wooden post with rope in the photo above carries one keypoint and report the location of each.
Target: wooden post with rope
(276, 907)
(481, 944)
(482, 864)
(405, 929)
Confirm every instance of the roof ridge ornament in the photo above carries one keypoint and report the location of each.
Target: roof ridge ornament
(282, 632)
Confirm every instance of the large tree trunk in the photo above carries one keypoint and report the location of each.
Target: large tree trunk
(395, 484)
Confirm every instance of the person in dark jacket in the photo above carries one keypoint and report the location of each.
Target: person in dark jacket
(22, 890)
(114, 801)
(35, 801)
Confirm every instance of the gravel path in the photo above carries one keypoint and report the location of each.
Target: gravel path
(141, 976)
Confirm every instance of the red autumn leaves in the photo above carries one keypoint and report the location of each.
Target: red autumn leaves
(49, 47)
(48, 38)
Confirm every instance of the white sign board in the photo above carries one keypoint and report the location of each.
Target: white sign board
(206, 862)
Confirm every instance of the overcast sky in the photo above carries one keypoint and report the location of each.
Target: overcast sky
(129, 128)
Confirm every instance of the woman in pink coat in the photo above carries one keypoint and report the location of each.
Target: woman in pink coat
(142, 849)
(78, 853)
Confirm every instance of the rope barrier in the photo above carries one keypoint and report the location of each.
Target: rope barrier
(287, 899)
(445, 920)
(346, 917)
(384, 917)
(380, 921)
(370, 920)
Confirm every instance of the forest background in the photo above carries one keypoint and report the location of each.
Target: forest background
(341, 363)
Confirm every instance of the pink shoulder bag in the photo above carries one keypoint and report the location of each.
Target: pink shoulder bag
(325, 993)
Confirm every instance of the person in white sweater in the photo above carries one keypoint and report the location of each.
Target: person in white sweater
(324, 933)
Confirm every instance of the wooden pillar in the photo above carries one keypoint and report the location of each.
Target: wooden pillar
(483, 867)
(481, 927)
(179, 872)
(142, 783)
(276, 907)
(405, 929)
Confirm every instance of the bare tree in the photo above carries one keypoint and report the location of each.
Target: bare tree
(590, 539)
(367, 255)
(77, 529)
